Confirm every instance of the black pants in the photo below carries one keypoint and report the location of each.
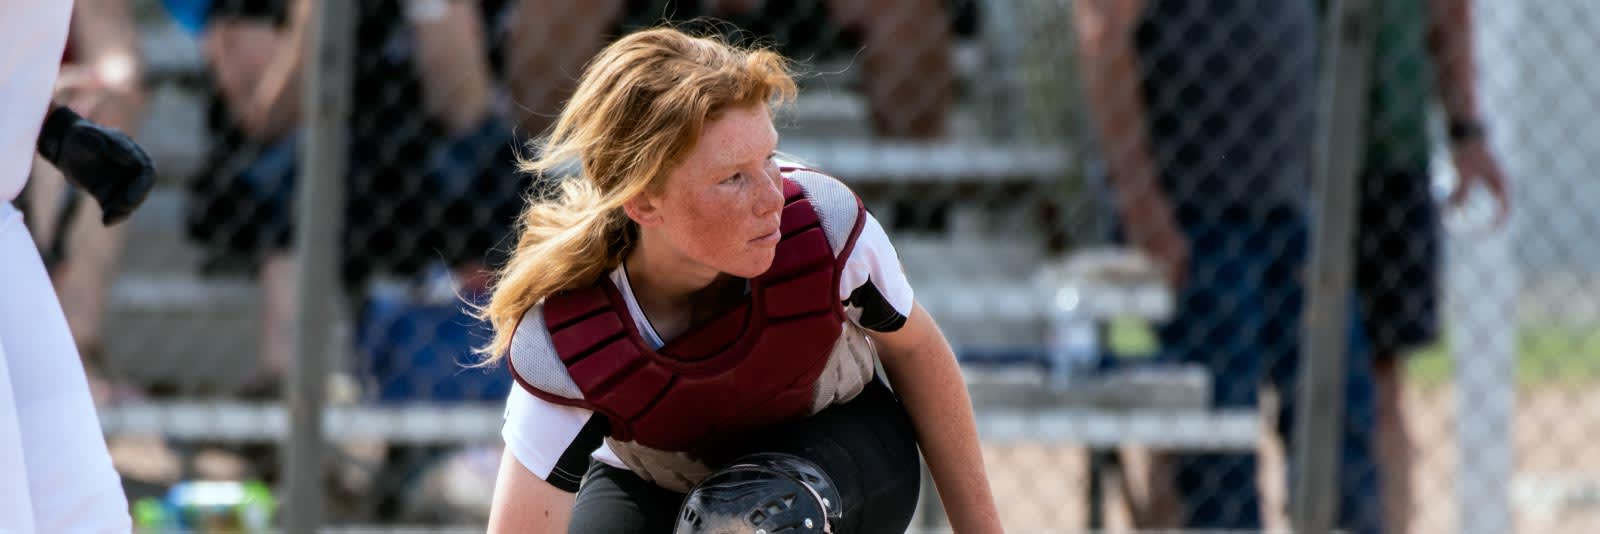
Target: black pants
(866, 446)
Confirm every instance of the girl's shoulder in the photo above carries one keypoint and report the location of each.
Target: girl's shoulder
(536, 364)
(838, 207)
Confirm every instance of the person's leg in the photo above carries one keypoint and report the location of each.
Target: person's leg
(869, 449)
(44, 198)
(87, 266)
(239, 50)
(452, 62)
(89, 250)
(265, 187)
(1361, 483)
(909, 81)
(617, 501)
(70, 477)
(86, 275)
(1148, 483)
(549, 43)
(1218, 324)
(1395, 454)
(277, 278)
(16, 508)
(906, 56)
(1360, 495)
(1398, 276)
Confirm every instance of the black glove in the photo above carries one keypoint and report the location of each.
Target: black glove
(100, 160)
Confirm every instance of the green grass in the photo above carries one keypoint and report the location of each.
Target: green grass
(1547, 354)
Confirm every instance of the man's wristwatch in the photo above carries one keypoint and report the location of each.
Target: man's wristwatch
(1465, 131)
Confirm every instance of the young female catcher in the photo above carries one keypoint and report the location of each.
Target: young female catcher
(696, 324)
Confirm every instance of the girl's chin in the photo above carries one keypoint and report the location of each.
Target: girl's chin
(753, 268)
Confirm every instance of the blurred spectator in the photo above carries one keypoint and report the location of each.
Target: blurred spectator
(1398, 243)
(101, 79)
(430, 183)
(1205, 112)
(906, 49)
(423, 188)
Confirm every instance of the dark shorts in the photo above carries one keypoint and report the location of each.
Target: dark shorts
(1398, 261)
(866, 446)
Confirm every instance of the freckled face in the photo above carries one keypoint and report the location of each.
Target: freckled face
(720, 209)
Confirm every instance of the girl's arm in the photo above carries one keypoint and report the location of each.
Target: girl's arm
(525, 503)
(922, 369)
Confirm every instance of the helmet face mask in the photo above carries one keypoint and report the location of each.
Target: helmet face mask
(763, 493)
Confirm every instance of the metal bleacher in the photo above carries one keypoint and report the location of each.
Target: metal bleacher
(158, 287)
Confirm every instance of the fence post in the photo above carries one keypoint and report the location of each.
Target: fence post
(1346, 57)
(320, 203)
(1484, 275)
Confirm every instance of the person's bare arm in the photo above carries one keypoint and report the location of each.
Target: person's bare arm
(549, 43)
(274, 105)
(1450, 39)
(1450, 42)
(105, 80)
(452, 61)
(1111, 73)
(906, 57)
(524, 503)
(923, 371)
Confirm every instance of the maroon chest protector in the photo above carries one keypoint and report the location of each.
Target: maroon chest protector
(752, 366)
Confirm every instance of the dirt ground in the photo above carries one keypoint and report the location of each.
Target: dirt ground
(1555, 489)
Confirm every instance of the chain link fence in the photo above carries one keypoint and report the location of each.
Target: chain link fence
(1018, 153)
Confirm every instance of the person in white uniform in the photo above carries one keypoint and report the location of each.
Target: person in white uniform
(55, 471)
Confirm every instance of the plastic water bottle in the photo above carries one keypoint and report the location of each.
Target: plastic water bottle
(1074, 338)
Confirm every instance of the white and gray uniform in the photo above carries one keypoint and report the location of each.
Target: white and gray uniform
(556, 442)
(55, 473)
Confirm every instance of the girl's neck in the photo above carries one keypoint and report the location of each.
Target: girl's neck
(674, 292)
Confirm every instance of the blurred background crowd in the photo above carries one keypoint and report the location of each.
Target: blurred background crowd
(1108, 205)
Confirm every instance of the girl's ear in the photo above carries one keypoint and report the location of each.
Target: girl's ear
(643, 209)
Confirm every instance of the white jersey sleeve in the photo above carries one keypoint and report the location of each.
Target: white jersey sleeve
(552, 441)
(873, 286)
